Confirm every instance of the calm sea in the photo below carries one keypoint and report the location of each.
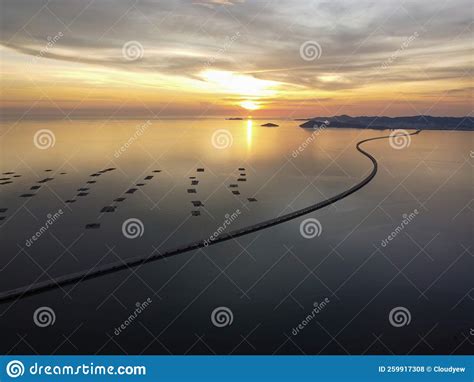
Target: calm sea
(269, 281)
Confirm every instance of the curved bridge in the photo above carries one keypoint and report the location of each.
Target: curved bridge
(75, 278)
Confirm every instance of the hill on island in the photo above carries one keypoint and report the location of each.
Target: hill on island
(421, 122)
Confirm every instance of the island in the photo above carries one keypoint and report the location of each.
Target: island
(269, 124)
(418, 122)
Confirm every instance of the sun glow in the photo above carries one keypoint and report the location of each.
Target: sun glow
(240, 84)
(250, 105)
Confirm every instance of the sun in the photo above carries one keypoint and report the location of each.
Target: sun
(250, 105)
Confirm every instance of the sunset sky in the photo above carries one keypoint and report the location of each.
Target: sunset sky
(234, 57)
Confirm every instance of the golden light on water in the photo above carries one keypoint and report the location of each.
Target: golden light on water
(249, 133)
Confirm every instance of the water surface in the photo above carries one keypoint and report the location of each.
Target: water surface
(269, 279)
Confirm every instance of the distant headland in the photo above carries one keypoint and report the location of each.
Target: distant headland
(419, 122)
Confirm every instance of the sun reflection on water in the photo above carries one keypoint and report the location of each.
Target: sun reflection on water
(249, 133)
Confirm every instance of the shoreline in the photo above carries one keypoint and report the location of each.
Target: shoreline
(383, 128)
